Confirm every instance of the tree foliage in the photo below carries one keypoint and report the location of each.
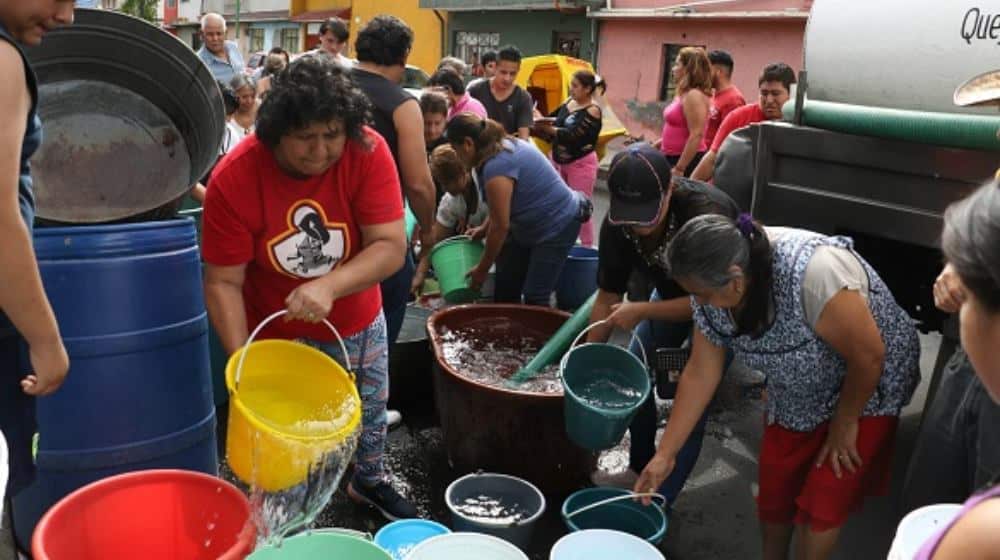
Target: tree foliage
(145, 9)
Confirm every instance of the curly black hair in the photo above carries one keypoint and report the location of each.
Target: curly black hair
(385, 40)
(312, 90)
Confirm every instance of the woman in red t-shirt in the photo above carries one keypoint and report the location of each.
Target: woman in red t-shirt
(305, 215)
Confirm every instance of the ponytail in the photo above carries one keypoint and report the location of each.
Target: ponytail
(591, 81)
(760, 275)
(708, 246)
(487, 135)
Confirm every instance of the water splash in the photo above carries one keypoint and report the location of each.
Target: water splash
(491, 509)
(278, 513)
(490, 352)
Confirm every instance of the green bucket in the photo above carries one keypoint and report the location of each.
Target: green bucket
(452, 259)
(603, 387)
(323, 543)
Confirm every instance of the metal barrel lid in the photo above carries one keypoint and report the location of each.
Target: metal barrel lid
(132, 119)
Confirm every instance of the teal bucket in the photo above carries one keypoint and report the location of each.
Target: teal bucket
(410, 222)
(603, 387)
(452, 259)
(625, 514)
(323, 543)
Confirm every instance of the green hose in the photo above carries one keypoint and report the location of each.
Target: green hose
(557, 345)
(977, 132)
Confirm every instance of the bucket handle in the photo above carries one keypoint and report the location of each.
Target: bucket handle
(629, 496)
(260, 327)
(363, 535)
(645, 361)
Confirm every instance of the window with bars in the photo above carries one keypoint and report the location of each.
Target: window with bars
(290, 40)
(256, 39)
(470, 45)
(668, 85)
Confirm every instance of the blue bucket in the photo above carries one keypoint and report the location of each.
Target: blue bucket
(578, 279)
(399, 538)
(603, 387)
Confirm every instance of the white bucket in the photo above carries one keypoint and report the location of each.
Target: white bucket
(466, 546)
(918, 526)
(602, 544)
(4, 469)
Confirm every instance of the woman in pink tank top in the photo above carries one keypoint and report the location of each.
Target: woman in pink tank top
(970, 240)
(684, 119)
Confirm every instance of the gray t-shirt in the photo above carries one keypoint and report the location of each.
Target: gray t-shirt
(830, 270)
(512, 113)
(541, 205)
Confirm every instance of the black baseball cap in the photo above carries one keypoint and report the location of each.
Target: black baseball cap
(637, 179)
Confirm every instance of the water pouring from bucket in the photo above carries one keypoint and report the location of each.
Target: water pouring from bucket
(294, 423)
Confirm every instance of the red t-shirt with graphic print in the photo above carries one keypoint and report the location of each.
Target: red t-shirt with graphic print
(289, 231)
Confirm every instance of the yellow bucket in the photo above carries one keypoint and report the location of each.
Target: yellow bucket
(290, 405)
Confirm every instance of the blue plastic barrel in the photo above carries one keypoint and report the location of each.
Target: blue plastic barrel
(578, 279)
(129, 302)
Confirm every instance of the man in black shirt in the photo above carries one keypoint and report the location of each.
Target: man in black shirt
(504, 100)
(382, 48)
(648, 206)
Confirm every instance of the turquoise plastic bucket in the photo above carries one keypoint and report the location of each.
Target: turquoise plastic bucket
(603, 387)
(323, 543)
(626, 515)
(452, 259)
(399, 538)
(410, 221)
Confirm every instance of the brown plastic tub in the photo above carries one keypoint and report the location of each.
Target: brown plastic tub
(495, 429)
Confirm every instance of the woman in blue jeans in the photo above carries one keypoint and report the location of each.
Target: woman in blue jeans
(647, 208)
(534, 217)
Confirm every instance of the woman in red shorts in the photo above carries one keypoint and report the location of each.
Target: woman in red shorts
(841, 359)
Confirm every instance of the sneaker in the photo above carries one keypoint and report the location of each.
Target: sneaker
(625, 479)
(384, 498)
(393, 418)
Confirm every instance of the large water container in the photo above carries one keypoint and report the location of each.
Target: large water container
(129, 303)
(904, 54)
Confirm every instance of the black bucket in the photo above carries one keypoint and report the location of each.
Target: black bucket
(132, 119)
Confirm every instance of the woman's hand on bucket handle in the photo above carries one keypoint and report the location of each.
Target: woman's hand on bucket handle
(626, 315)
(312, 301)
(478, 232)
(656, 471)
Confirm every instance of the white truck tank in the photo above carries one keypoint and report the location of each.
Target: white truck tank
(904, 54)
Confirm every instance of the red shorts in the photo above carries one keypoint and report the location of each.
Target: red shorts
(793, 490)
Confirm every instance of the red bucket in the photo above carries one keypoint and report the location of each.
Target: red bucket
(153, 515)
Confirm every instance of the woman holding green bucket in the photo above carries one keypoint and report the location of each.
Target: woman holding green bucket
(462, 209)
(534, 218)
(305, 215)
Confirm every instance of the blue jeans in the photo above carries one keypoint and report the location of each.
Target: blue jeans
(395, 295)
(370, 362)
(532, 271)
(662, 334)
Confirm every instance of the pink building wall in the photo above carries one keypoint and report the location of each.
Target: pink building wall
(630, 57)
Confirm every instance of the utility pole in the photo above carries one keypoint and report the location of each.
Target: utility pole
(238, 21)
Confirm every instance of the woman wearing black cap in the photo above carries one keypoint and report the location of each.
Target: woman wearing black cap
(647, 209)
(841, 358)
(33, 360)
